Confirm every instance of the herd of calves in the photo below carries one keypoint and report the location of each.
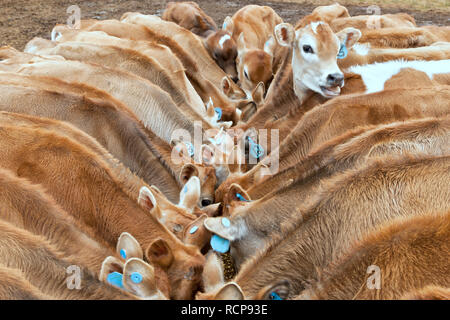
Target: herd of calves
(133, 164)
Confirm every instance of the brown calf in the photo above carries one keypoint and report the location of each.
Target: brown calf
(406, 254)
(43, 157)
(46, 268)
(280, 195)
(219, 43)
(347, 209)
(251, 28)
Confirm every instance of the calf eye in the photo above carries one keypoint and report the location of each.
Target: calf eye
(246, 75)
(308, 49)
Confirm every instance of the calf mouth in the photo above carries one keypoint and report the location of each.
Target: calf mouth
(330, 92)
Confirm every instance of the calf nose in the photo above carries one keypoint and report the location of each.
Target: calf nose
(335, 79)
(235, 79)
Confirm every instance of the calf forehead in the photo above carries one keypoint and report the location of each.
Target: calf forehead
(326, 41)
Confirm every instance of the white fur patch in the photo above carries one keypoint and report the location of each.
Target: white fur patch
(361, 49)
(223, 40)
(314, 26)
(375, 75)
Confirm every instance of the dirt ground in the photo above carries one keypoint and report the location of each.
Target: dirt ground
(21, 20)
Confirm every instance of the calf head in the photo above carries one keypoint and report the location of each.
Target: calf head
(214, 286)
(223, 50)
(131, 273)
(174, 216)
(253, 66)
(314, 58)
(207, 178)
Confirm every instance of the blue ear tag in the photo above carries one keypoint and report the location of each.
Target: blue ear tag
(190, 148)
(342, 52)
(136, 277)
(219, 244)
(275, 296)
(256, 151)
(226, 222)
(115, 278)
(185, 189)
(123, 253)
(218, 112)
(193, 230)
(241, 198)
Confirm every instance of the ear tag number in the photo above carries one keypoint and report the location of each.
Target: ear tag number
(342, 52)
(256, 151)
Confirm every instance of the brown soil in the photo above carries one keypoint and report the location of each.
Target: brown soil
(21, 20)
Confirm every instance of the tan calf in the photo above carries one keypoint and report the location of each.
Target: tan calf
(129, 60)
(45, 267)
(406, 37)
(428, 293)
(27, 206)
(43, 157)
(409, 253)
(347, 209)
(251, 28)
(204, 87)
(219, 43)
(14, 286)
(48, 98)
(278, 197)
(369, 22)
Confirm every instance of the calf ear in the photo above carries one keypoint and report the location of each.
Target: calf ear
(258, 94)
(210, 112)
(232, 91)
(189, 170)
(147, 200)
(277, 291)
(196, 234)
(269, 46)
(241, 43)
(223, 227)
(349, 36)
(212, 276)
(128, 247)
(190, 194)
(207, 154)
(284, 34)
(230, 291)
(109, 265)
(159, 253)
(228, 25)
(236, 193)
(139, 279)
(212, 210)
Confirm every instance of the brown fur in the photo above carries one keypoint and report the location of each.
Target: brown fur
(367, 22)
(27, 206)
(256, 24)
(44, 267)
(405, 37)
(14, 286)
(191, 17)
(428, 293)
(411, 253)
(112, 126)
(278, 197)
(204, 87)
(345, 210)
(90, 193)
